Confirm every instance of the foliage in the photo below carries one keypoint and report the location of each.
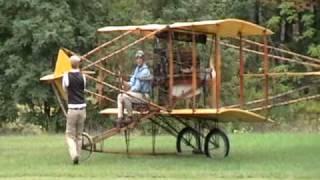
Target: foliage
(15, 128)
(32, 31)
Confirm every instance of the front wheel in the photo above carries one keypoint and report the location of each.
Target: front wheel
(216, 144)
(187, 141)
(86, 147)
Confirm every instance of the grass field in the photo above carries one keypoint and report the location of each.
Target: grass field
(257, 156)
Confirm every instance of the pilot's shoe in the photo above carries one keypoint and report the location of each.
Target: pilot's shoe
(129, 120)
(119, 123)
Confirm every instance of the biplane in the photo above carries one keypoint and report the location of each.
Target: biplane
(182, 73)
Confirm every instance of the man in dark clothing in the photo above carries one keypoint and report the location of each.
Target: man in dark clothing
(74, 83)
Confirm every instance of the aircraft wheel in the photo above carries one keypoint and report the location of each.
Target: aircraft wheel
(187, 141)
(216, 144)
(87, 147)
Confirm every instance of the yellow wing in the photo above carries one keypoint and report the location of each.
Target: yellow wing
(224, 114)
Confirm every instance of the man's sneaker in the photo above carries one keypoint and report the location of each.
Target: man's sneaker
(129, 120)
(76, 161)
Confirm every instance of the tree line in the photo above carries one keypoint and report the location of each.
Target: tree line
(32, 31)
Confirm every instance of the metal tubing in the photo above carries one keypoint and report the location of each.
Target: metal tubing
(283, 51)
(286, 103)
(272, 56)
(272, 97)
(288, 74)
(170, 131)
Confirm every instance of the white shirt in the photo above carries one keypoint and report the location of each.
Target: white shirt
(65, 84)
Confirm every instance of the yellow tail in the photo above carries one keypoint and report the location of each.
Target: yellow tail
(63, 64)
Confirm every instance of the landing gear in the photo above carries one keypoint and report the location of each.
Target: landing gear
(216, 144)
(87, 147)
(188, 141)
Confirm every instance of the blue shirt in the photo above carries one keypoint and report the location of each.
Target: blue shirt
(140, 81)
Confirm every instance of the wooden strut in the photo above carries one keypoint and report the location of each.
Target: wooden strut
(96, 65)
(283, 51)
(124, 48)
(213, 80)
(278, 96)
(106, 44)
(110, 132)
(104, 97)
(289, 74)
(286, 103)
(59, 99)
(270, 47)
(241, 72)
(171, 68)
(266, 70)
(271, 56)
(122, 91)
(218, 70)
(194, 69)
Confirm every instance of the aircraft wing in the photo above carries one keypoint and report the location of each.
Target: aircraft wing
(224, 114)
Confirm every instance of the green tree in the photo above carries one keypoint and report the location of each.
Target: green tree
(31, 33)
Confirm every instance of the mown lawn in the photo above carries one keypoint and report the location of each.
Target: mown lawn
(257, 156)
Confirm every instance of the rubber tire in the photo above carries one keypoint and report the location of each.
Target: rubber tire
(223, 136)
(89, 148)
(180, 135)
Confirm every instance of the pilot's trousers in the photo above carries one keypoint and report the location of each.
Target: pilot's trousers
(125, 101)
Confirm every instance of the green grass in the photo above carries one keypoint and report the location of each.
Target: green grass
(258, 156)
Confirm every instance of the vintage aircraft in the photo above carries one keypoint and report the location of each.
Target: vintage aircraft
(183, 72)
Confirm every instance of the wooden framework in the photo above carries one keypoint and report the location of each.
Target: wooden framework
(194, 71)
(171, 67)
(229, 28)
(241, 72)
(218, 71)
(266, 70)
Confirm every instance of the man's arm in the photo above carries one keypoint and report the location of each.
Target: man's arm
(132, 79)
(65, 81)
(136, 87)
(131, 82)
(145, 75)
(84, 81)
(213, 73)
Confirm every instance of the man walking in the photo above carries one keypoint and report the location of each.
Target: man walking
(74, 83)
